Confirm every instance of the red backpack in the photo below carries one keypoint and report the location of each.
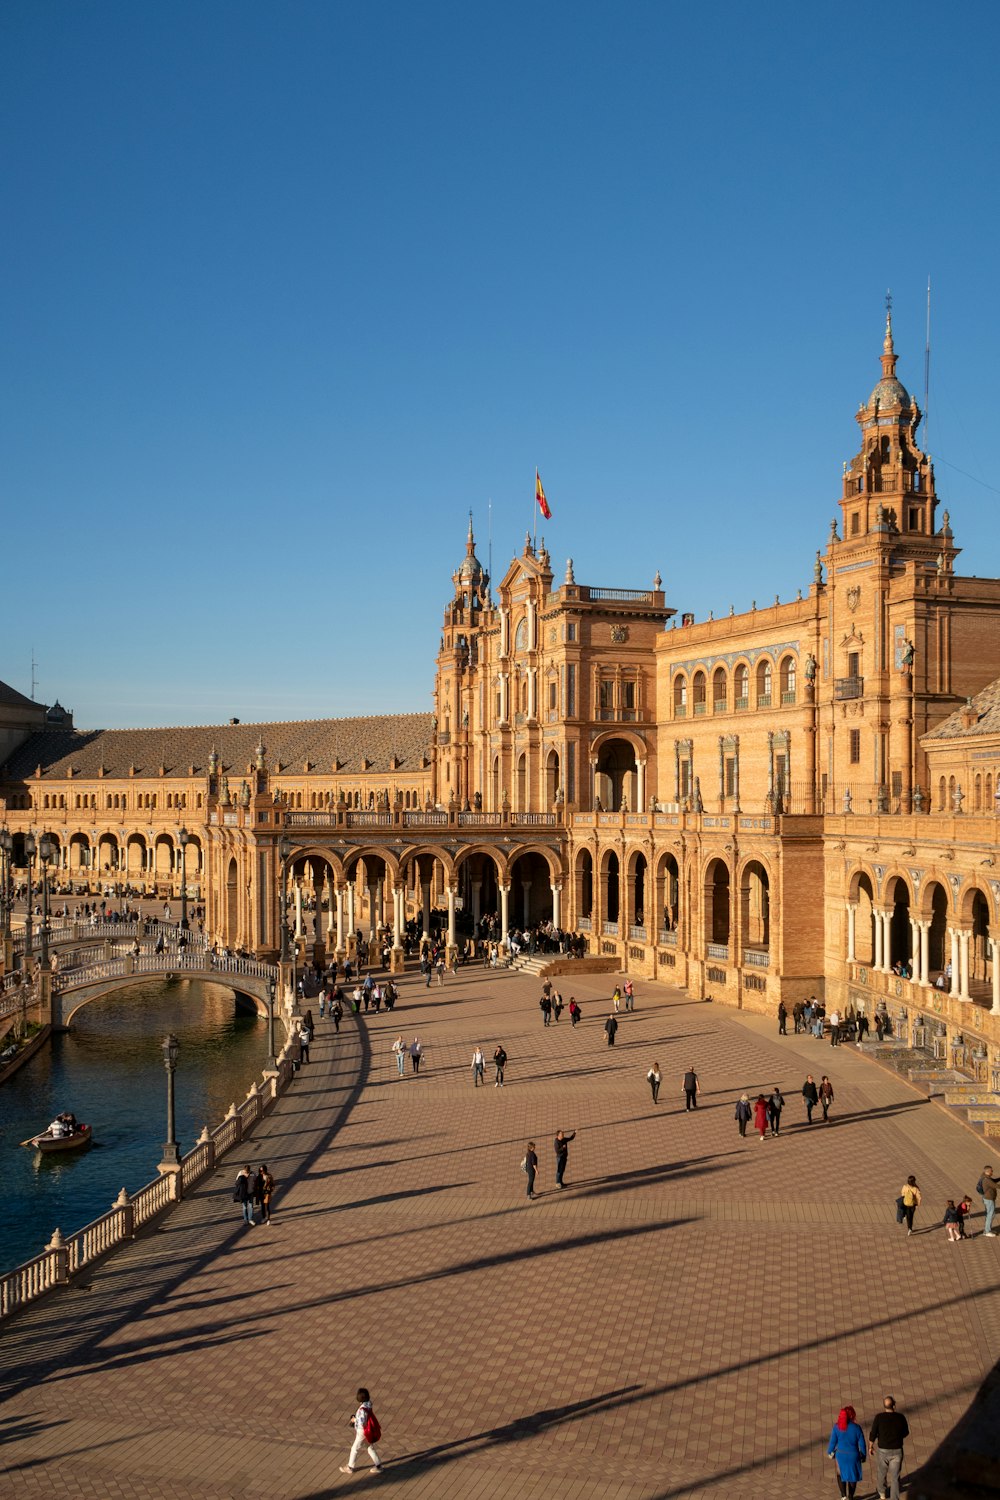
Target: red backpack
(372, 1431)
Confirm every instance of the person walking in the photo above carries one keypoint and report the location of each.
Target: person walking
(952, 1221)
(760, 1116)
(530, 1165)
(889, 1431)
(478, 1065)
(416, 1053)
(399, 1050)
(545, 1006)
(367, 1432)
(835, 1028)
(557, 1006)
(775, 1105)
(743, 1114)
(810, 1094)
(629, 995)
(611, 1028)
(986, 1187)
(616, 999)
(500, 1063)
(911, 1197)
(825, 1097)
(574, 1011)
(848, 1450)
(337, 1012)
(692, 1088)
(305, 1037)
(263, 1189)
(561, 1145)
(243, 1190)
(653, 1078)
(782, 1018)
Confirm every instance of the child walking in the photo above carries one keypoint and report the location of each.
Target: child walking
(366, 1434)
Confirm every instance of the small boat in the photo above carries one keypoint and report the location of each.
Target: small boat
(48, 1142)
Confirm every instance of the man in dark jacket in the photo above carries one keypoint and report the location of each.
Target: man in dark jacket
(561, 1143)
(810, 1094)
(692, 1088)
(889, 1430)
(611, 1027)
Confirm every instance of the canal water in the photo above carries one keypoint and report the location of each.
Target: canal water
(108, 1069)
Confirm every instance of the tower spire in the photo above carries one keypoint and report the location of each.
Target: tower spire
(888, 348)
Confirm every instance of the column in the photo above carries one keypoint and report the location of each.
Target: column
(925, 952)
(331, 923)
(298, 908)
(722, 771)
(425, 902)
(852, 914)
(995, 952)
(318, 892)
(915, 949)
(953, 934)
(526, 895)
(398, 895)
(477, 887)
(371, 912)
(340, 918)
(965, 942)
(640, 786)
(593, 781)
(504, 911)
(877, 956)
(351, 922)
(451, 916)
(380, 899)
(677, 770)
(736, 775)
(556, 893)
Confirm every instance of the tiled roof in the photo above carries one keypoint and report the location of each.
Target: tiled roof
(11, 698)
(986, 705)
(377, 739)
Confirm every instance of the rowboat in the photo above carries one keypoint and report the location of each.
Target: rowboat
(48, 1142)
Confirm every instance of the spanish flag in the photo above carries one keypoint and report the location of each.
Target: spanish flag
(543, 504)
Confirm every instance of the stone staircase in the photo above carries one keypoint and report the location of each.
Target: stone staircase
(972, 1101)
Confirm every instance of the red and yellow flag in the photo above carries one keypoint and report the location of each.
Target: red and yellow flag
(543, 504)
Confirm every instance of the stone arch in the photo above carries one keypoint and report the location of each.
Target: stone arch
(80, 858)
(787, 676)
(741, 685)
(699, 691)
(135, 856)
(967, 901)
(551, 777)
(680, 695)
(637, 882)
(720, 690)
(668, 892)
(232, 899)
(163, 856)
(610, 876)
(108, 854)
(898, 902)
(717, 891)
(935, 907)
(530, 870)
(755, 906)
(583, 873)
(861, 890)
(616, 770)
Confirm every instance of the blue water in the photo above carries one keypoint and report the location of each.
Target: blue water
(108, 1069)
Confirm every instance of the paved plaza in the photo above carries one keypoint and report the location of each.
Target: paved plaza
(686, 1318)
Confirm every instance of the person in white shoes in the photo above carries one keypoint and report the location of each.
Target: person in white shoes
(367, 1432)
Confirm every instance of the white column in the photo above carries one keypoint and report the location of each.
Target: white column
(925, 953)
(965, 940)
(340, 917)
(640, 786)
(451, 916)
(371, 912)
(877, 956)
(397, 916)
(995, 951)
(852, 913)
(955, 965)
(298, 908)
(351, 923)
(504, 911)
(556, 893)
(425, 902)
(914, 949)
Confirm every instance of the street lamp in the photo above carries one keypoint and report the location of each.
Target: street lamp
(272, 1061)
(29, 858)
(6, 894)
(285, 851)
(182, 839)
(45, 854)
(171, 1047)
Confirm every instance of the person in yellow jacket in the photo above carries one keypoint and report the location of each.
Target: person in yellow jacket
(910, 1195)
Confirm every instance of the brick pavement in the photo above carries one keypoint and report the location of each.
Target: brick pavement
(685, 1319)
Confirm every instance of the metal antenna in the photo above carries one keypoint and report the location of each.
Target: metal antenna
(34, 680)
(927, 367)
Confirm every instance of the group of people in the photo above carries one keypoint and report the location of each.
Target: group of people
(956, 1209)
(253, 1189)
(63, 1125)
(848, 1449)
(529, 1163)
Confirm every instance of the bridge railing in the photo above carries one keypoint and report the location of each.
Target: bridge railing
(64, 1256)
(173, 961)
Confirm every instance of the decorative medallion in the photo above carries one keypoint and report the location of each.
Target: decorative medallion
(619, 634)
(955, 881)
(853, 598)
(916, 876)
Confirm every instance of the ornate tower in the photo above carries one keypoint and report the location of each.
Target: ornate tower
(465, 617)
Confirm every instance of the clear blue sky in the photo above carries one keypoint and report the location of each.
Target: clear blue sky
(287, 288)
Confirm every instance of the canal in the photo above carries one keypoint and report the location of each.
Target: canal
(108, 1069)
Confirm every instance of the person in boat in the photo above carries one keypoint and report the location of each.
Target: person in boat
(58, 1130)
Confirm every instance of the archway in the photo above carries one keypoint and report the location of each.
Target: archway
(864, 924)
(616, 775)
(551, 779)
(585, 885)
(522, 782)
(531, 890)
(898, 900)
(937, 941)
(232, 902)
(755, 907)
(637, 882)
(668, 893)
(979, 944)
(717, 902)
(135, 857)
(610, 881)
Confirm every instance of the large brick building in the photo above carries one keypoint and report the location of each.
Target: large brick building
(793, 800)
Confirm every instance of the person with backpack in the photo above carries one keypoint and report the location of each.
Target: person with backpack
(243, 1192)
(986, 1187)
(367, 1432)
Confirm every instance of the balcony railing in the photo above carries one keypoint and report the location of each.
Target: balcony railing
(718, 950)
(763, 700)
(757, 958)
(741, 703)
(668, 939)
(719, 706)
(583, 924)
(848, 687)
(609, 929)
(788, 696)
(701, 707)
(637, 934)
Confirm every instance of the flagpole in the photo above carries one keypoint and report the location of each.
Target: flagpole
(534, 513)
(490, 566)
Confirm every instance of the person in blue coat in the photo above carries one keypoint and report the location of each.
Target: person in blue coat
(847, 1447)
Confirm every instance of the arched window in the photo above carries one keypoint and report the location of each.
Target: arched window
(720, 691)
(942, 794)
(951, 794)
(680, 697)
(741, 686)
(977, 793)
(764, 683)
(788, 679)
(699, 692)
(521, 636)
(988, 804)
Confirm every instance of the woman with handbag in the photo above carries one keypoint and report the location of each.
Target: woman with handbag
(910, 1195)
(848, 1449)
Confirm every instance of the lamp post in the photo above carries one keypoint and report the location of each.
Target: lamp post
(182, 839)
(45, 854)
(6, 850)
(29, 859)
(272, 1061)
(171, 1156)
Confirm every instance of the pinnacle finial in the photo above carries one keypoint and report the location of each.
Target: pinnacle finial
(471, 537)
(887, 343)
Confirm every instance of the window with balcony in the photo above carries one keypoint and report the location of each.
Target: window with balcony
(764, 684)
(788, 679)
(741, 686)
(680, 697)
(699, 692)
(720, 691)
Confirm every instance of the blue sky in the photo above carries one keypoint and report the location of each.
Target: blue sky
(287, 289)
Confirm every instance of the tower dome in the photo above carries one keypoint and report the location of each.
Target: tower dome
(471, 572)
(889, 392)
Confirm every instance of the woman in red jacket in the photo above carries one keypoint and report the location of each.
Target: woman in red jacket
(760, 1116)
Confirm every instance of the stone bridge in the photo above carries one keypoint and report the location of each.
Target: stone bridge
(246, 977)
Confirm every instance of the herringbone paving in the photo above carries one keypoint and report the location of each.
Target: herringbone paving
(686, 1319)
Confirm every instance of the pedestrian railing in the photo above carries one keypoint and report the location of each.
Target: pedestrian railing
(64, 1256)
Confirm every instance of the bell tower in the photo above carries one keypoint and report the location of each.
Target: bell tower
(466, 616)
(889, 484)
